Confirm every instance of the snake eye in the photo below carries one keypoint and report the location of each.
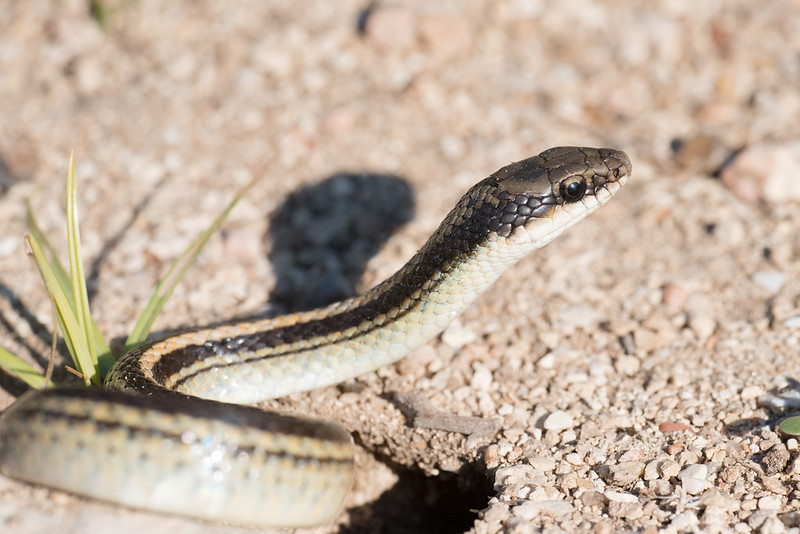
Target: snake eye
(574, 189)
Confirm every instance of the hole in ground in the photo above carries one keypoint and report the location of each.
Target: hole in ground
(423, 504)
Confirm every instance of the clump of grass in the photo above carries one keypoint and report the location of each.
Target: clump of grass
(89, 350)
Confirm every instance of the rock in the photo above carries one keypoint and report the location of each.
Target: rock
(669, 469)
(771, 280)
(770, 502)
(766, 171)
(693, 478)
(542, 463)
(623, 473)
(672, 426)
(447, 35)
(628, 510)
(530, 509)
(390, 27)
(558, 420)
(792, 322)
(618, 496)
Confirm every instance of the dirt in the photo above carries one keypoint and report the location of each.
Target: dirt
(638, 366)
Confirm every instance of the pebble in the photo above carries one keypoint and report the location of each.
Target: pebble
(390, 27)
(702, 326)
(765, 171)
(558, 420)
(447, 35)
(669, 469)
(542, 463)
(674, 295)
(457, 335)
(512, 474)
(618, 496)
(8, 245)
(648, 340)
(792, 322)
(770, 502)
(530, 509)
(751, 392)
(772, 280)
(684, 521)
(630, 511)
(672, 426)
(495, 512)
(693, 478)
(624, 473)
(481, 378)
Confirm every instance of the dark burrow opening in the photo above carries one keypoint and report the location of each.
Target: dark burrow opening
(417, 503)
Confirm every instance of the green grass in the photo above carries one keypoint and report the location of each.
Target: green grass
(90, 353)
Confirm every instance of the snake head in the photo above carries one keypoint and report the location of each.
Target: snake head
(538, 198)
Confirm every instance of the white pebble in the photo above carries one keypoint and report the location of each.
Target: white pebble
(530, 509)
(618, 496)
(771, 280)
(542, 463)
(457, 335)
(792, 322)
(558, 420)
(693, 478)
(771, 502)
(8, 245)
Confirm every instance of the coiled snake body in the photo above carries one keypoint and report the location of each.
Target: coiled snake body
(169, 433)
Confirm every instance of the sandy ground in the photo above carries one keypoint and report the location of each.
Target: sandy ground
(634, 366)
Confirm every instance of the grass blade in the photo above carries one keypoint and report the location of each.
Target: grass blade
(79, 293)
(20, 369)
(74, 336)
(99, 352)
(175, 274)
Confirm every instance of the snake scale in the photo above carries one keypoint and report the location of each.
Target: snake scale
(170, 433)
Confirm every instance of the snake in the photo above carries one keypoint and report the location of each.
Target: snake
(173, 429)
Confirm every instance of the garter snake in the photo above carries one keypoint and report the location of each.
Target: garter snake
(169, 432)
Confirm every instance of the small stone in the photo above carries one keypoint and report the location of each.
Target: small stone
(495, 512)
(482, 377)
(776, 459)
(702, 326)
(628, 365)
(651, 470)
(457, 335)
(672, 426)
(390, 27)
(674, 295)
(792, 322)
(512, 474)
(624, 473)
(530, 509)
(593, 498)
(661, 487)
(8, 245)
(618, 496)
(669, 469)
(648, 340)
(684, 521)
(447, 35)
(767, 171)
(542, 463)
(751, 392)
(771, 280)
(558, 420)
(628, 510)
(693, 478)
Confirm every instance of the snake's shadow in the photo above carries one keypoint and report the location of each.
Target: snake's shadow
(323, 235)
